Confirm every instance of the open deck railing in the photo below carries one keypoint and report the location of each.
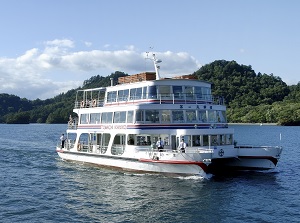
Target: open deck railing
(160, 99)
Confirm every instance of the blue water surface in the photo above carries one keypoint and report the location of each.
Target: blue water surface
(37, 186)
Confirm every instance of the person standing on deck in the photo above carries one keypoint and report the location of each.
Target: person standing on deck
(62, 139)
(160, 145)
(182, 146)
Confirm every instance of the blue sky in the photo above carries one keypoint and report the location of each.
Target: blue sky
(51, 46)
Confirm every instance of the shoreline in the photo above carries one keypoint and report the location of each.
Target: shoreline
(240, 123)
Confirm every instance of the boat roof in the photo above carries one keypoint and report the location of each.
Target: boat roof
(94, 89)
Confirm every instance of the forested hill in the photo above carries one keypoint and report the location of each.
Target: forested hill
(241, 86)
(250, 97)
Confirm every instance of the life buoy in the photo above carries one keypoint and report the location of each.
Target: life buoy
(94, 103)
(82, 104)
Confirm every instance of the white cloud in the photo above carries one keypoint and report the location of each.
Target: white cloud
(88, 44)
(61, 43)
(58, 67)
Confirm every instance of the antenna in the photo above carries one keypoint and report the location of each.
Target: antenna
(155, 62)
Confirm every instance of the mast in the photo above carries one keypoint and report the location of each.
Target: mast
(156, 66)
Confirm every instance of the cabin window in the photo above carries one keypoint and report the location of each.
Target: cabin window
(106, 117)
(84, 118)
(111, 96)
(205, 140)
(222, 139)
(152, 92)
(129, 116)
(189, 92)
(206, 93)
(123, 95)
(84, 139)
(202, 116)
(135, 93)
(105, 142)
(229, 139)
(166, 116)
(94, 118)
(118, 145)
(144, 96)
(177, 116)
(139, 116)
(131, 139)
(164, 91)
(152, 116)
(143, 140)
(120, 117)
(214, 140)
(211, 116)
(196, 140)
(191, 116)
(198, 93)
(177, 92)
(221, 116)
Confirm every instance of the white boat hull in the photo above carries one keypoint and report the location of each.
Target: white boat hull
(149, 165)
(248, 158)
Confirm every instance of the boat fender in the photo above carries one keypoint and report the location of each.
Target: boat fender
(94, 103)
(82, 104)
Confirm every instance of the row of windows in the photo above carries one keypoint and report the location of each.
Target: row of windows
(170, 142)
(151, 92)
(155, 116)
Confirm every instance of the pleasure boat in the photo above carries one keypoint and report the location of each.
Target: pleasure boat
(119, 126)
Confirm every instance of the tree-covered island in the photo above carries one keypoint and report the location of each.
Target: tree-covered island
(250, 97)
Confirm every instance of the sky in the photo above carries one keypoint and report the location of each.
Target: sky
(48, 47)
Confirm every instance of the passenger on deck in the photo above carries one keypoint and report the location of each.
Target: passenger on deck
(160, 145)
(182, 146)
(62, 139)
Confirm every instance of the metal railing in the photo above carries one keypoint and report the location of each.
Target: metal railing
(160, 99)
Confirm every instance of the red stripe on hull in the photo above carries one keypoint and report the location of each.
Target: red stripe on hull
(178, 162)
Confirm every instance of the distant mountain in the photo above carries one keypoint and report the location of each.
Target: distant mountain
(250, 97)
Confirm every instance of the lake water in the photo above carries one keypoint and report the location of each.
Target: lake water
(36, 186)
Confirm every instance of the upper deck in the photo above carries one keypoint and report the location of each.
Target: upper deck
(149, 88)
(164, 91)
